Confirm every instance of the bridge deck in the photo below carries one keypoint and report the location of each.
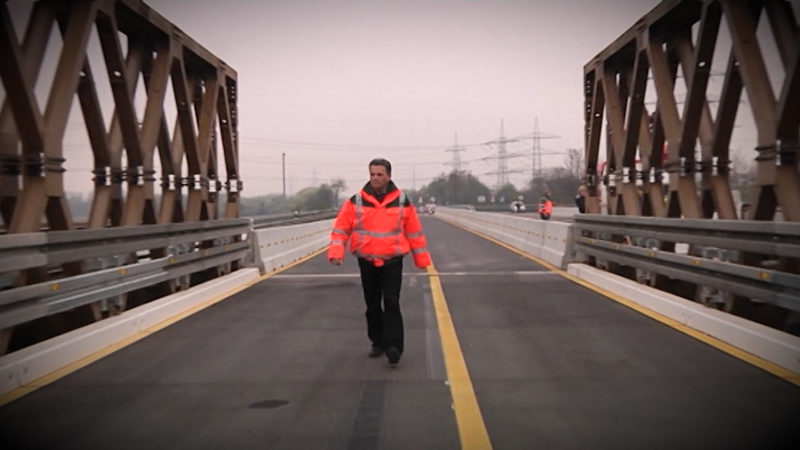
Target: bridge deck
(283, 365)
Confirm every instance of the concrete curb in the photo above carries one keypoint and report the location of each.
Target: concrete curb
(23, 367)
(281, 246)
(775, 346)
(548, 240)
(552, 242)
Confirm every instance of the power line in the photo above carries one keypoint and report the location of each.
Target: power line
(300, 161)
(536, 149)
(456, 150)
(278, 142)
(502, 156)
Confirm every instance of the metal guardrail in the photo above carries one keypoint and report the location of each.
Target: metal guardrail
(274, 220)
(180, 250)
(716, 259)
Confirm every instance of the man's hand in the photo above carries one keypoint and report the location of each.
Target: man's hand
(336, 261)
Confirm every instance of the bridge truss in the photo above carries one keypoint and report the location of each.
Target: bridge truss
(170, 112)
(135, 42)
(674, 161)
(690, 178)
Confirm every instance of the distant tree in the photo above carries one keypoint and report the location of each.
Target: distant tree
(413, 195)
(313, 198)
(337, 185)
(79, 205)
(742, 178)
(573, 162)
(263, 204)
(436, 189)
(559, 181)
(507, 193)
(459, 187)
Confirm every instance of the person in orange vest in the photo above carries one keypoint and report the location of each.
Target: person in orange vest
(382, 227)
(545, 206)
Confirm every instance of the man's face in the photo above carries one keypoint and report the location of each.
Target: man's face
(378, 178)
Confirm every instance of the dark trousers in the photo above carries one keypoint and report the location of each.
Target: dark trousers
(384, 324)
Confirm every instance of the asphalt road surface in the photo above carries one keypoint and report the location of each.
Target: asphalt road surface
(283, 365)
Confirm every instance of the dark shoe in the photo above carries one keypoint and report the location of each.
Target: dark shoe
(393, 354)
(375, 351)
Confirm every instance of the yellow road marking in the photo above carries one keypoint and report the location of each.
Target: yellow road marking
(86, 360)
(736, 352)
(471, 429)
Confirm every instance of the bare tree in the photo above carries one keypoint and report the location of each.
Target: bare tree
(573, 162)
(337, 185)
(743, 177)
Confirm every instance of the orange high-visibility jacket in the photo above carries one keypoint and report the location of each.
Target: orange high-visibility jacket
(379, 231)
(546, 207)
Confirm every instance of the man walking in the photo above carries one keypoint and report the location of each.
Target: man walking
(382, 227)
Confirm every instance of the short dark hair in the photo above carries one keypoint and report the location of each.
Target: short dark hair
(382, 162)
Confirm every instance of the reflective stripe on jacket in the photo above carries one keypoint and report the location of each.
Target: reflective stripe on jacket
(379, 230)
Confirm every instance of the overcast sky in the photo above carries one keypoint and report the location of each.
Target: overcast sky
(333, 84)
(398, 79)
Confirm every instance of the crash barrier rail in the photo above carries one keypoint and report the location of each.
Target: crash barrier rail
(464, 206)
(721, 261)
(26, 365)
(293, 218)
(280, 246)
(24, 369)
(775, 346)
(116, 261)
(708, 253)
(563, 245)
(548, 240)
(113, 262)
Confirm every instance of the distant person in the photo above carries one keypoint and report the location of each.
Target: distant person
(580, 198)
(545, 206)
(382, 227)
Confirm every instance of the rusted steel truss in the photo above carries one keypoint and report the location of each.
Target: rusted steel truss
(673, 160)
(135, 42)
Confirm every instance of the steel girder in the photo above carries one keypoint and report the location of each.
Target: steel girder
(31, 141)
(690, 177)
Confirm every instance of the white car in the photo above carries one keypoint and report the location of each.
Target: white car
(517, 206)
